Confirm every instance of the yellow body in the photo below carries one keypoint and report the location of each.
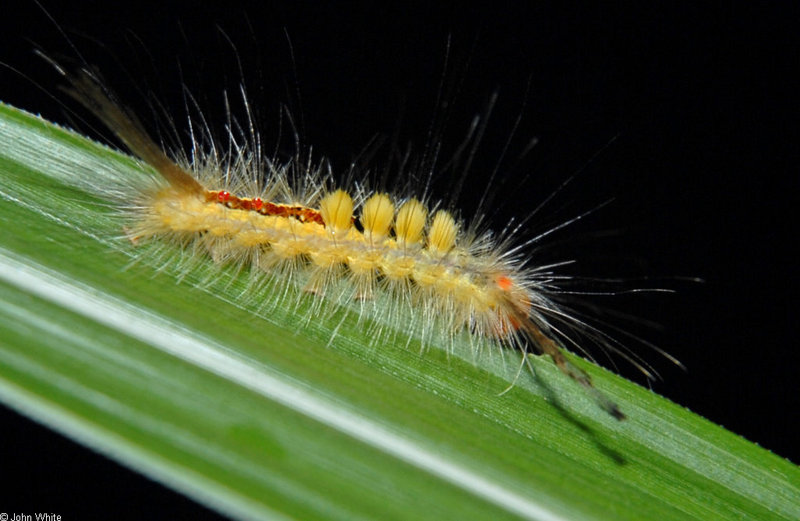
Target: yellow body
(435, 265)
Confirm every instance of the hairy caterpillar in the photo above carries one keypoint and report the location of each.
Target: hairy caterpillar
(284, 218)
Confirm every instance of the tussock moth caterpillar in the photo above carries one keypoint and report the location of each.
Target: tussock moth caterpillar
(345, 245)
(383, 251)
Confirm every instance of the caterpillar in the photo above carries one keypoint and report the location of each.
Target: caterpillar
(348, 244)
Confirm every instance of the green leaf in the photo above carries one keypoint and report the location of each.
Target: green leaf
(193, 375)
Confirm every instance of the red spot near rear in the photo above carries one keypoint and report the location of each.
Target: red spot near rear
(258, 203)
(504, 283)
(517, 307)
(224, 196)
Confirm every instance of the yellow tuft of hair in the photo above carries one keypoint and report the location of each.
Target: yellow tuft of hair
(336, 209)
(376, 217)
(442, 233)
(410, 222)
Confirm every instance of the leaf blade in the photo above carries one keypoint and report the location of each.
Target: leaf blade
(524, 456)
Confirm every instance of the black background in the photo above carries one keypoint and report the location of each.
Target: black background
(685, 116)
